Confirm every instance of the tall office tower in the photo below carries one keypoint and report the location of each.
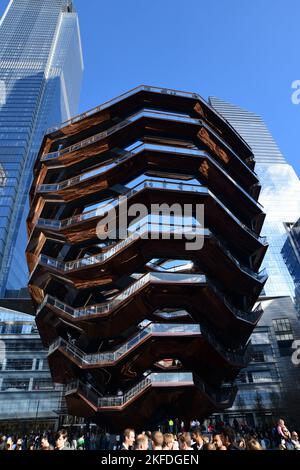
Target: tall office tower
(141, 322)
(280, 191)
(291, 256)
(40, 77)
(280, 197)
(291, 251)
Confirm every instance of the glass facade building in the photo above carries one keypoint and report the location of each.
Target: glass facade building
(269, 386)
(28, 396)
(291, 255)
(280, 193)
(41, 69)
(279, 326)
(291, 251)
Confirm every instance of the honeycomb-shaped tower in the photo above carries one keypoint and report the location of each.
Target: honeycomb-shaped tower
(140, 325)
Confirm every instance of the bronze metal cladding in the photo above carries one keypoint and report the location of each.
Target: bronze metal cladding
(140, 324)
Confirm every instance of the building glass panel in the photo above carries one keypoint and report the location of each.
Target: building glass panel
(40, 76)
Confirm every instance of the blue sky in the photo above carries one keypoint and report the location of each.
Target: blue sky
(243, 51)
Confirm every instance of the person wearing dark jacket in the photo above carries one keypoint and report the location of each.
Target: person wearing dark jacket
(129, 438)
(197, 438)
(229, 439)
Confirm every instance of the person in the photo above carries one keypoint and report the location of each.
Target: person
(197, 437)
(157, 440)
(150, 443)
(175, 444)
(218, 442)
(210, 428)
(171, 425)
(228, 439)
(80, 443)
(129, 438)
(236, 425)
(209, 446)
(185, 441)
(168, 441)
(264, 442)
(61, 440)
(93, 441)
(19, 444)
(45, 445)
(31, 445)
(241, 442)
(74, 443)
(10, 444)
(141, 442)
(106, 441)
(283, 432)
(295, 440)
(3, 442)
(253, 444)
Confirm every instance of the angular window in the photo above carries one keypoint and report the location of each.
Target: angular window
(260, 376)
(43, 384)
(258, 356)
(260, 338)
(19, 364)
(284, 335)
(282, 325)
(10, 385)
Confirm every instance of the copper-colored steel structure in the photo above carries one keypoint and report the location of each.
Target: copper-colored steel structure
(143, 327)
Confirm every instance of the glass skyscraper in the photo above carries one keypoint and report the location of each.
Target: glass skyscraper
(271, 374)
(291, 255)
(291, 251)
(280, 193)
(41, 69)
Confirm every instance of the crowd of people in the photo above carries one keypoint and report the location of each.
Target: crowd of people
(221, 437)
(227, 438)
